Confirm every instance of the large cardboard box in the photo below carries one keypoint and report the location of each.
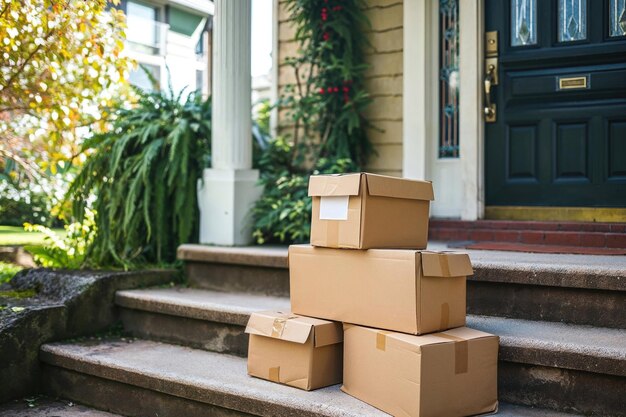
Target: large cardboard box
(362, 211)
(449, 374)
(404, 290)
(299, 351)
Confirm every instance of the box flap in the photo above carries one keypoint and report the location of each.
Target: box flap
(328, 333)
(384, 186)
(280, 325)
(466, 333)
(446, 264)
(334, 185)
(414, 343)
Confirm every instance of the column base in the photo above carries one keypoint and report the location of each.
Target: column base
(225, 197)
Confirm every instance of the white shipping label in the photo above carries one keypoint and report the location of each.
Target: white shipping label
(334, 207)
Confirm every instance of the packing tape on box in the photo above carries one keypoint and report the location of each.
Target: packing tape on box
(460, 352)
(274, 374)
(332, 233)
(381, 340)
(443, 264)
(279, 325)
(445, 316)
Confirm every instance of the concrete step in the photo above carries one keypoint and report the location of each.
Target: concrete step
(47, 407)
(144, 379)
(578, 289)
(202, 319)
(562, 366)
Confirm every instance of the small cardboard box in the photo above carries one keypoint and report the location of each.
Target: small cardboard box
(453, 373)
(299, 351)
(362, 211)
(404, 290)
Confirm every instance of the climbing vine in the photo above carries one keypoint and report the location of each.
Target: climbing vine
(325, 102)
(324, 130)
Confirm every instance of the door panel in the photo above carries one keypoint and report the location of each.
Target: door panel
(560, 133)
(570, 148)
(617, 150)
(522, 142)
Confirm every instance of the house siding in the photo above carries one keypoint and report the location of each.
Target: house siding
(383, 80)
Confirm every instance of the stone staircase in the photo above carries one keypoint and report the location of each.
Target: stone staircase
(561, 320)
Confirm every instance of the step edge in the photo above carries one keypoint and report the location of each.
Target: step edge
(215, 312)
(519, 350)
(579, 276)
(608, 361)
(261, 256)
(225, 398)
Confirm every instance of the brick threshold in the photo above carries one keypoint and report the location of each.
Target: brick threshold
(525, 247)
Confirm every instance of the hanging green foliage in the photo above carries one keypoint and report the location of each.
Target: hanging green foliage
(326, 102)
(143, 175)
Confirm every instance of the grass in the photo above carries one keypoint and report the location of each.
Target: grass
(12, 235)
(7, 271)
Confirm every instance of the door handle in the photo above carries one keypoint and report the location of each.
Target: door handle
(490, 80)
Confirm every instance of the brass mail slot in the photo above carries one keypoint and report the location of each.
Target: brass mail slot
(572, 83)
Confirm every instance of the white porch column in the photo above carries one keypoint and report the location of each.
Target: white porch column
(229, 189)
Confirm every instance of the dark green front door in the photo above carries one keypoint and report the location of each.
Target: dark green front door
(559, 138)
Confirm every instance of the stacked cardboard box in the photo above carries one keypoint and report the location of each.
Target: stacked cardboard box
(405, 350)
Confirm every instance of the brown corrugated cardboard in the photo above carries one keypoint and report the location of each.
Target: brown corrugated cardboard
(362, 211)
(450, 374)
(299, 351)
(404, 290)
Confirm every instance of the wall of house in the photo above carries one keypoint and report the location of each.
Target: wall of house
(383, 79)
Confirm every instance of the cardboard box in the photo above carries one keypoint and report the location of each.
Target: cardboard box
(299, 351)
(450, 374)
(404, 290)
(362, 211)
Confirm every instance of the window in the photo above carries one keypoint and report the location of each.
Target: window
(523, 22)
(200, 81)
(147, 77)
(142, 30)
(572, 20)
(448, 79)
(617, 18)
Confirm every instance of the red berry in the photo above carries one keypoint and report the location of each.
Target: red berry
(336, 89)
(346, 89)
(321, 91)
(329, 90)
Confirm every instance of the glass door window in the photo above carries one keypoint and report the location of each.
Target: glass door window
(572, 20)
(617, 18)
(523, 22)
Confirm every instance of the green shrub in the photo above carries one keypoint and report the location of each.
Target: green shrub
(283, 213)
(7, 271)
(68, 251)
(143, 175)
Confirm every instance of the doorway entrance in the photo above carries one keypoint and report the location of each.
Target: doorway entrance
(555, 98)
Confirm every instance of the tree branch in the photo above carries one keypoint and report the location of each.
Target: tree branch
(28, 58)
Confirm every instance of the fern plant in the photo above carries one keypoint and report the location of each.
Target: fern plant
(143, 174)
(67, 251)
